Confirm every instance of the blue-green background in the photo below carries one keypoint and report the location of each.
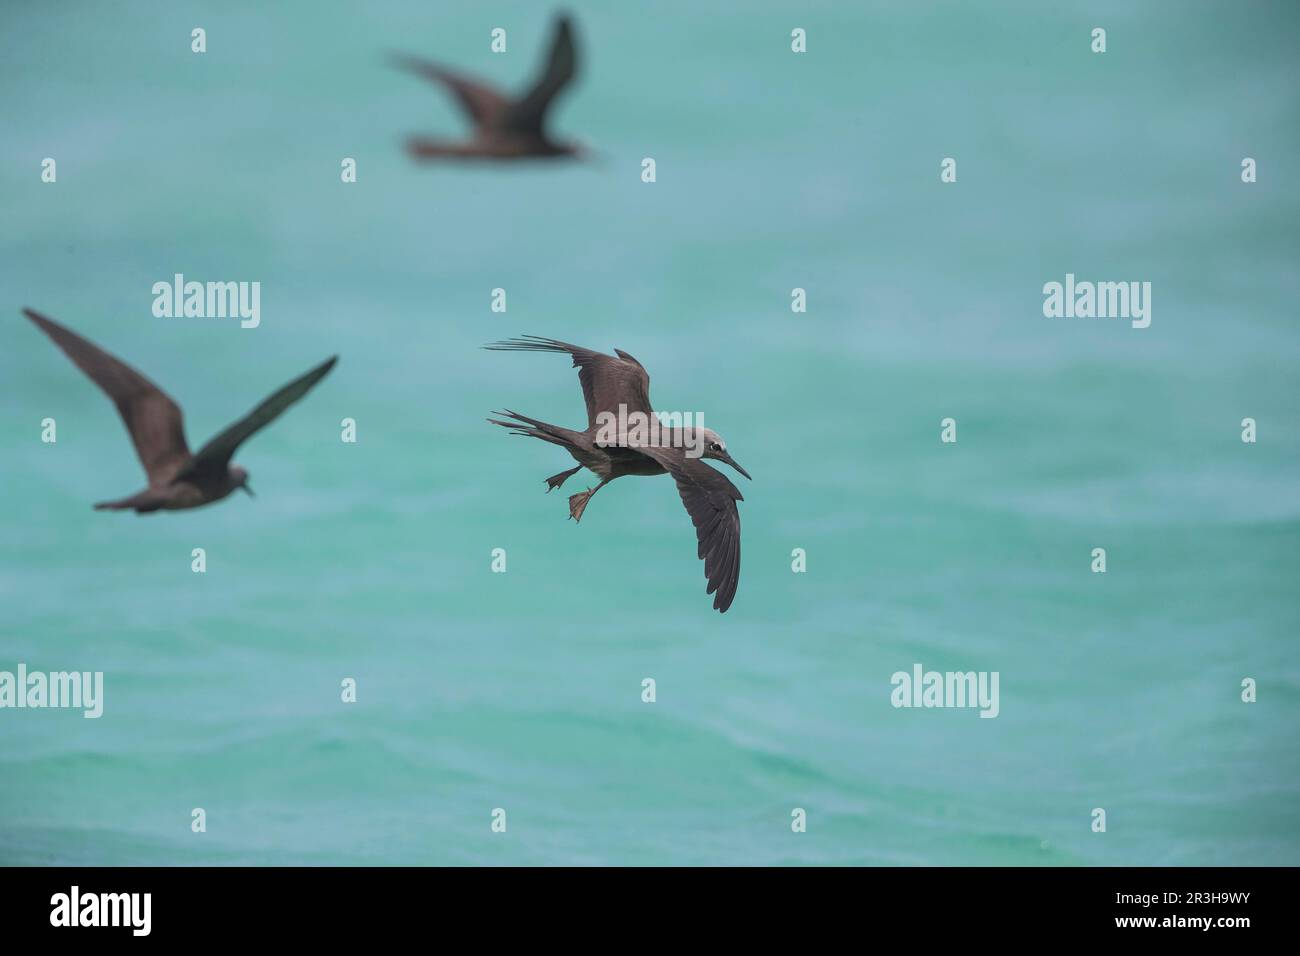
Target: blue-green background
(522, 690)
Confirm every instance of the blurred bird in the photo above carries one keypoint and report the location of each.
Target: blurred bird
(177, 478)
(609, 382)
(504, 128)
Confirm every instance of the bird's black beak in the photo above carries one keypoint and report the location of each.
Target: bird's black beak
(732, 462)
(248, 490)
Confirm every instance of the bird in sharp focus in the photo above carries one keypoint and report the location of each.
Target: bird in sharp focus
(504, 127)
(178, 479)
(615, 387)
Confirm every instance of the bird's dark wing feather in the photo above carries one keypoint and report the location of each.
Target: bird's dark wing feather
(607, 382)
(151, 417)
(710, 499)
(215, 456)
(528, 113)
(484, 105)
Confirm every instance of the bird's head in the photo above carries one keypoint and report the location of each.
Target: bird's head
(715, 447)
(239, 479)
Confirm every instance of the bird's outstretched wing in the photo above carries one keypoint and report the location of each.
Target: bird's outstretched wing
(153, 420)
(215, 456)
(710, 499)
(484, 105)
(607, 382)
(528, 113)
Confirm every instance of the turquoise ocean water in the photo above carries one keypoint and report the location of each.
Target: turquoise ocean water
(522, 690)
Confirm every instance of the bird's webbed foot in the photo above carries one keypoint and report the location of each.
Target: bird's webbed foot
(555, 481)
(578, 504)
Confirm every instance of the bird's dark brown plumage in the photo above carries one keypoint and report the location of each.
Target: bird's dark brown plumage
(483, 105)
(151, 417)
(216, 454)
(528, 113)
(609, 381)
(177, 478)
(710, 499)
(504, 127)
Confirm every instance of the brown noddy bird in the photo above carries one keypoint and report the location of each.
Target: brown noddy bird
(504, 127)
(611, 381)
(177, 478)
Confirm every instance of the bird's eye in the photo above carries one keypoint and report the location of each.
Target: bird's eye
(714, 446)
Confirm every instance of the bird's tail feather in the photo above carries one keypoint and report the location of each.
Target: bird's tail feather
(533, 428)
(141, 502)
(530, 343)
